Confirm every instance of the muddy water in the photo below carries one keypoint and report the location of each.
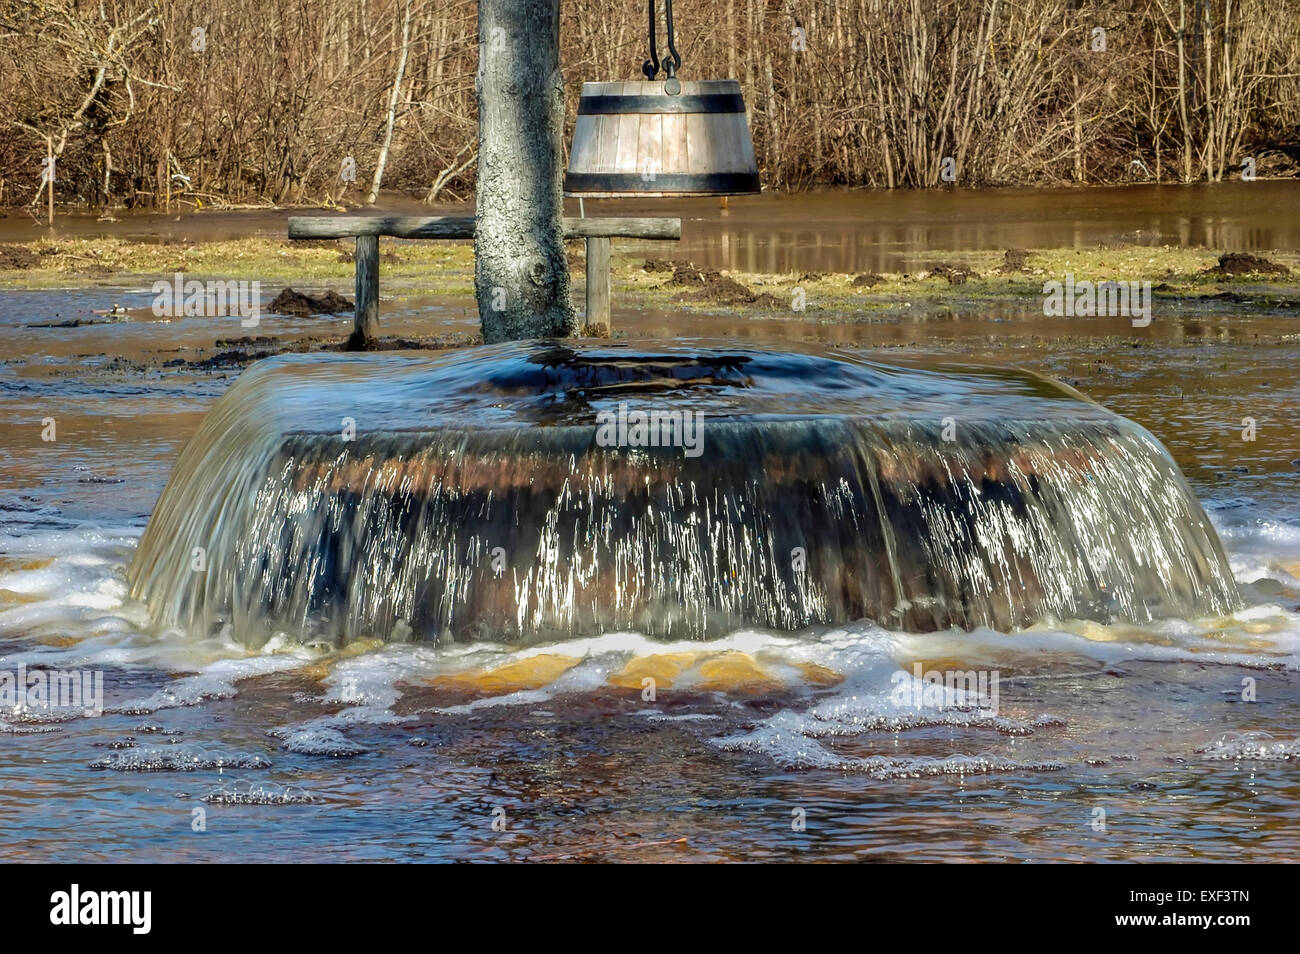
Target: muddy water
(405, 752)
(841, 231)
(880, 231)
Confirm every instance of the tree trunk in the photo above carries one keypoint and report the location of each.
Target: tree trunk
(1182, 90)
(521, 275)
(402, 56)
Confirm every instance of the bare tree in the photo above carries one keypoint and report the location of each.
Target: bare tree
(393, 98)
(241, 102)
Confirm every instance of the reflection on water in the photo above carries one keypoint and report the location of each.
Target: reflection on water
(878, 230)
(854, 231)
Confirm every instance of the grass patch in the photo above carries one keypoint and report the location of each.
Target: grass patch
(439, 267)
(959, 280)
(1174, 273)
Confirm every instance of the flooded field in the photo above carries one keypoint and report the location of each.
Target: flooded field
(1174, 740)
(846, 231)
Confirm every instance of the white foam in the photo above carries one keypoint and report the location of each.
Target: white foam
(250, 793)
(654, 715)
(1251, 747)
(81, 594)
(320, 740)
(217, 681)
(781, 739)
(176, 758)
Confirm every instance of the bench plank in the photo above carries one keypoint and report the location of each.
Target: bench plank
(622, 227)
(462, 227)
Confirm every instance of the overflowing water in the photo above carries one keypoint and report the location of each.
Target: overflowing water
(470, 496)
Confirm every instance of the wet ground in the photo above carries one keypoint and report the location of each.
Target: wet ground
(1110, 742)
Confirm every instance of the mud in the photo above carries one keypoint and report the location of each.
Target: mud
(711, 286)
(1233, 264)
(17, 258)
(956, 273)
(1014, 260)
(302, 305)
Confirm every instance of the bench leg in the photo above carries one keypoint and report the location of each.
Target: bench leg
(367, 315)
(597, 288)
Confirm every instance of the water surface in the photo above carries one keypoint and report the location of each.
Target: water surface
(412, 752)
(846, 231)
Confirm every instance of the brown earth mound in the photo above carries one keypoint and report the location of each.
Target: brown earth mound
(300, 305)
(768, 300)
(956, 274)
(17, 257)
(1014, 260)
(685, 273)
(1232, 264)
(708, 284)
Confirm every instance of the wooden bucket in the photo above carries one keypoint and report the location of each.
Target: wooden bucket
(637, 139)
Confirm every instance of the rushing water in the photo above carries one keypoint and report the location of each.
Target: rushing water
(412, 749)
(468, 496)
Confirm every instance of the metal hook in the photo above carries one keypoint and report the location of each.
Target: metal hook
(651, 66)
(673, 61)
(671, 64)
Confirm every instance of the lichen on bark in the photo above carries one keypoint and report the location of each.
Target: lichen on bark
(521, 275)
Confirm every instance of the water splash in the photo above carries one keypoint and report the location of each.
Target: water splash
(474, 501)
(178, 759)
(249, 793)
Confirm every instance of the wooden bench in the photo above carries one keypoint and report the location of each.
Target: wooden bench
(366, 229)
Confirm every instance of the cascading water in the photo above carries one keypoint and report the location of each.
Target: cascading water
(474, 495)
